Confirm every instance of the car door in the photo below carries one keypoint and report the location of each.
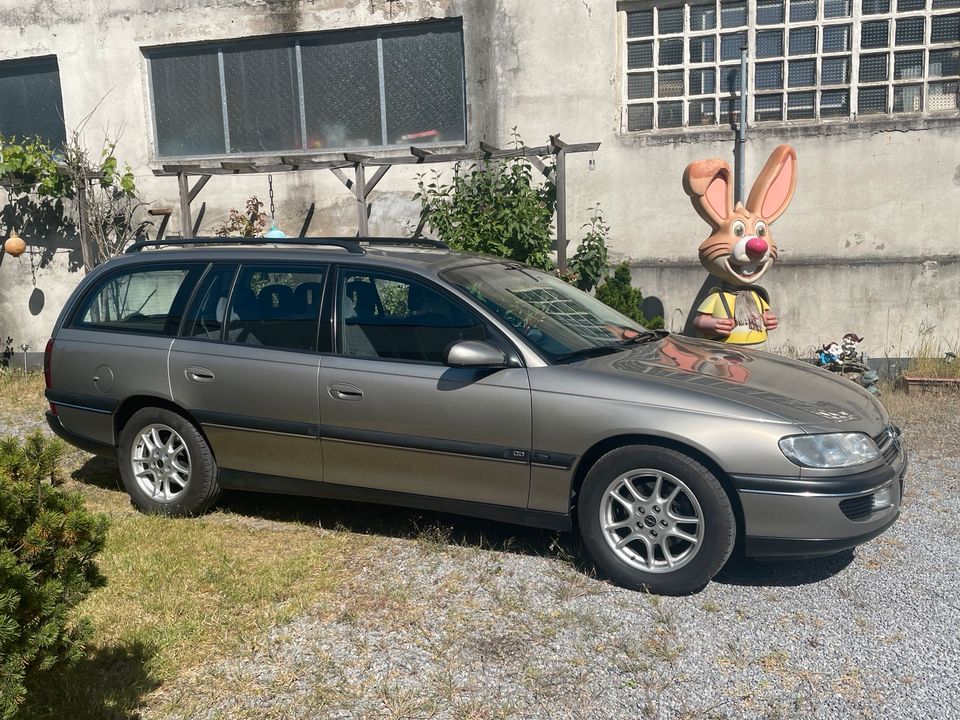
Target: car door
(394, 418)
(246, 365)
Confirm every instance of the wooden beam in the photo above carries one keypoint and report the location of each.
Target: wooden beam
(488, 148)
(186, 223)
(355, 158)
(195, 190)
(372, 183)
(362, 228)
(561, 183)
(343, 178)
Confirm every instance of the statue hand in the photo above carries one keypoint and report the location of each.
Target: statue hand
(770, 321)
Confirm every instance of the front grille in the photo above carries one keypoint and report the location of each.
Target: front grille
(857, 508)
(888, 442)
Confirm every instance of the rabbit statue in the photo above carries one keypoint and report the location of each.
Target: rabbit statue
(741, 249)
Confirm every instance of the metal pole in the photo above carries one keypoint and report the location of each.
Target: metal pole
(741, 129)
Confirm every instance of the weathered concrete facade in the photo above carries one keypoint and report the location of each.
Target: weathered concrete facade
(869, 244)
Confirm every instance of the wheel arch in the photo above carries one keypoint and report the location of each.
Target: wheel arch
(135, 403)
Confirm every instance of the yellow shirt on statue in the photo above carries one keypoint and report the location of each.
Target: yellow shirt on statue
(741, 334)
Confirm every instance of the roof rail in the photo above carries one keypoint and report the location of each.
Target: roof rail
(352, 245)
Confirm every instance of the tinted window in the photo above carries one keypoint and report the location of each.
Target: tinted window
(142, 300)
(32, 105)
(276, 306)
(383, 316)
(205, 319)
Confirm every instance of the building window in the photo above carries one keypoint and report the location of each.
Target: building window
(807, 60)
(373, 88)
(32, 105)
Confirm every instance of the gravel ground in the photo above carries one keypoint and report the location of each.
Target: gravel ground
(433, 627)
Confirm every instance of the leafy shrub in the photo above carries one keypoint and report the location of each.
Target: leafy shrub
(589, 263)
(618, 292)
(492, 208)
(252, 222)
(48, 542)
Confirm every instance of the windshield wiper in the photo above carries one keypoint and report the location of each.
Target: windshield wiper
(589, 352)
(644, 337)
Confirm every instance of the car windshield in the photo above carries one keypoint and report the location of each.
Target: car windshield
(560, 321)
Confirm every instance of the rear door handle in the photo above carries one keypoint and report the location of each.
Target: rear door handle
(199, 374)
(344, 391)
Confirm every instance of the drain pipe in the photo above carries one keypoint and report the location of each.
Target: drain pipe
(741, 130)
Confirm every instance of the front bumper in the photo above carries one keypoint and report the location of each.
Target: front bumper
(786, 517)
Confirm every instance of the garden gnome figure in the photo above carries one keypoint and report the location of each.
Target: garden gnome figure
(741, 249)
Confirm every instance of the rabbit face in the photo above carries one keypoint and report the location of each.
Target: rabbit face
(741, 248)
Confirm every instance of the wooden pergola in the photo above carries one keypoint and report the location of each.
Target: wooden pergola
(361, 187)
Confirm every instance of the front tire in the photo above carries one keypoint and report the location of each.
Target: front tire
(167, 465)
(655, 519)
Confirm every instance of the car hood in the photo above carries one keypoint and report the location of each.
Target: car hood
(793, 391)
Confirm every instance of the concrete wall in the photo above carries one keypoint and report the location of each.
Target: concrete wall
(870, 243)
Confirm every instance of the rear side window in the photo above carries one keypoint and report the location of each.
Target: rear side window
(140, 300)
(205, 319)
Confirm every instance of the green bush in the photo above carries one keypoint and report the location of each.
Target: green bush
(589, 263)
(618, 292)
(48, 542)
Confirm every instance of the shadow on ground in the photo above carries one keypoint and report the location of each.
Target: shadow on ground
(109, 683)
(385, 520)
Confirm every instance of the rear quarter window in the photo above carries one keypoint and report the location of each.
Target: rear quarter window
(139, 300)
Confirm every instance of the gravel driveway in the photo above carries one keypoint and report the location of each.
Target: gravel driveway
(435, 626)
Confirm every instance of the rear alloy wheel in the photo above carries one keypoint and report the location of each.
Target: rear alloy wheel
(656, 519)
(166, 464)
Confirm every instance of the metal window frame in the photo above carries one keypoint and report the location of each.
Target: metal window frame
(721, 120)
(294, 42)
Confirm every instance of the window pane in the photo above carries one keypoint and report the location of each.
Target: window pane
(873, 68)
(670, 84)
(640, 23)
(946, 28)
(269, 74)
(423, 82)
(834, 103)
(945, 4)
(910, 31)
(669, 114)
(801, 10)
(836, 8)
(803, 41)
(836, 38)
(31, 101)
(703, 82)
(907, 98)
(769, 76)
(210, 308)
(733, 13)
(702, 112)
(341, 91)
(769, 12)
(703, 49)
(769, 43)
(276, 307)
(639, 55)
(703, 17)
(729, 111)
(730, 79)
(875, 7)
(639, 86)
(943, 96)
(142, 301)
(944, 63)
(909, 65)
(875, 34)
(188, 110)
(670, 20)
(835, 71)
(730, 45)
(671, 52)
(639, 117)
(872, 100)
(768, 107)
(905, 5)
(800, 105)
(802, 73)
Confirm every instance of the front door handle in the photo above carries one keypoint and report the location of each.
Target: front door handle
(199, 374)
(344, 391)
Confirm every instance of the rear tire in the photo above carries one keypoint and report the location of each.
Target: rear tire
(167, 465)
(655, 519)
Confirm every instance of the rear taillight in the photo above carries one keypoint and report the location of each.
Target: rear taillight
(47, 373)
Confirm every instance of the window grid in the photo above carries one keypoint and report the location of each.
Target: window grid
(813, 83)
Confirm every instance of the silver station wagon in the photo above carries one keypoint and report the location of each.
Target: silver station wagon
(401, 372)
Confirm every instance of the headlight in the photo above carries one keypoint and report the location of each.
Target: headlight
(833, 450)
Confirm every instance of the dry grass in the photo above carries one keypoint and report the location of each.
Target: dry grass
(21, 396)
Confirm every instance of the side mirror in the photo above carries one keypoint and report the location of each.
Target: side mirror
(474, 354)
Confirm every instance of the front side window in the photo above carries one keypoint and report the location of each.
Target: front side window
(807, 60)
(149, 301)
(375, 87)
(554, 317)
(32, 104)
(395, 318)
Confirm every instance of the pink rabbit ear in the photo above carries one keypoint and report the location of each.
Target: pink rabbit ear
(708, 183)
(772, 191)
